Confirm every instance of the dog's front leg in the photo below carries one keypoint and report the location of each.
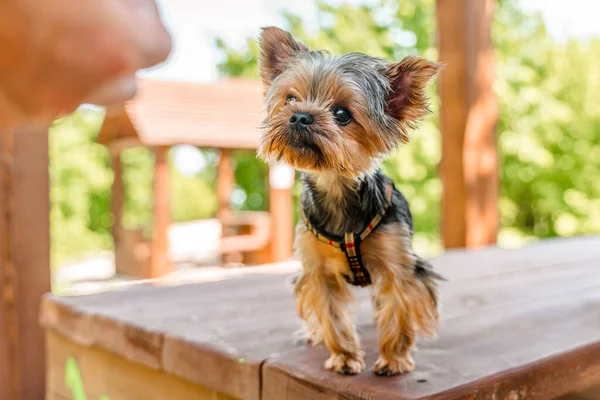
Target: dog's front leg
(396, 327)
(404, 295)
(324, 299)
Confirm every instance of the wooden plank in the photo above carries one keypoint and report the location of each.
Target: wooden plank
(469, 166)
(25, 258)
(201, 362)
(160, 263)
(465, 297)
(536, 350)
(104, 374)
(460, 264)
(218, 334)
(219, 346)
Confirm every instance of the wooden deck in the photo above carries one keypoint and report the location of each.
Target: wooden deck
(520, 324)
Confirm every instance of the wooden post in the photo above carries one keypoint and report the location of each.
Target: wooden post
(281, 207)
(469, 166)
(225, 184)
(160, 260)
(24, 260)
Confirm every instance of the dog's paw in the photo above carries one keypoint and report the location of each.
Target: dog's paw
(346, 364)
(397, 365)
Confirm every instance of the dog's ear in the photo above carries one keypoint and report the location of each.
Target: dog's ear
(407, 100)
(277, 47)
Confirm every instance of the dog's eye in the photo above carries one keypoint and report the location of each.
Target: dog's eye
(290, 99)
(342, 115)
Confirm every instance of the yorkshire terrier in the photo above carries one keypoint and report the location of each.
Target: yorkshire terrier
(334, 119)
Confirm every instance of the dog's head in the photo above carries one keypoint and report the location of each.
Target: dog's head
(338, 114)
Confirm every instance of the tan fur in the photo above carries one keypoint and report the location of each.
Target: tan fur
(404, 307)
(410, 76)
(349, 150)
(323, 297)
(384, 101)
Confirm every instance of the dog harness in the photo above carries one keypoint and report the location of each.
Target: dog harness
(350, 242)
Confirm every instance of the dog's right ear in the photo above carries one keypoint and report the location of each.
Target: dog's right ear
(277, 47)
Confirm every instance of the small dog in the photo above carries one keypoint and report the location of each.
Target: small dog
(334, 119)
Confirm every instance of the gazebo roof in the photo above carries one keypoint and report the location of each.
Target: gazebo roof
(226, 114)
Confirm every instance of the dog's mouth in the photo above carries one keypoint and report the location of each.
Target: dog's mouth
(300, 149)
(303, 151)
(303, 142)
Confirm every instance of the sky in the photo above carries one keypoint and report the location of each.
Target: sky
(194, 25)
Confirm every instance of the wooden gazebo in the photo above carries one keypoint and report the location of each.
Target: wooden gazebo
(224, 115)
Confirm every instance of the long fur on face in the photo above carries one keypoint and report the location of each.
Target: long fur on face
(385, 101)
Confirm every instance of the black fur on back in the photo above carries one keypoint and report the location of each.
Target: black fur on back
(358, 206)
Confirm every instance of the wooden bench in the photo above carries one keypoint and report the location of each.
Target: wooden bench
(520, 324)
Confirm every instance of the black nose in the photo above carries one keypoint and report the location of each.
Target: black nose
(300, 120)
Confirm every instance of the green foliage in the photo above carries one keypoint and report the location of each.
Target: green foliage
(252, 177)
(80, 187)
(548, 135)
(548, 130)
(74, 382)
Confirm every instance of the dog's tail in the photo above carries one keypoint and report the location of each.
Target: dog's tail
(430, 279)
(422, 300)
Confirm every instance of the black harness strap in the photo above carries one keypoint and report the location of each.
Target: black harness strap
(350, 242)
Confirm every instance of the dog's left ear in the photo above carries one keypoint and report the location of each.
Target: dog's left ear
(277, 47)
(407, 100)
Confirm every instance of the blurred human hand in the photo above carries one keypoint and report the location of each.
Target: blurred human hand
(57, 54)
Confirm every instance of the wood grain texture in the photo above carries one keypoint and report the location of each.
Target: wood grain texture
(166, 113)
(504, 312)
(209, 334)
(469, 166)
(540, 349)
(104, 374)
(25, 260)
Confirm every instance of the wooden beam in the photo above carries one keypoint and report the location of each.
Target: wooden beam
(160, 260)
(225, 184)
(469, 166)
(281, 207)
(24, 260)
